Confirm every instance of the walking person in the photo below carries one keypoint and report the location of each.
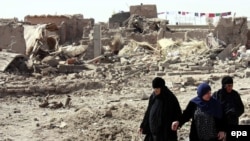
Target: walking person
(230, 100)
(206, 114)
(163, 108)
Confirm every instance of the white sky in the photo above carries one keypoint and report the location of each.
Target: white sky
(101, 10)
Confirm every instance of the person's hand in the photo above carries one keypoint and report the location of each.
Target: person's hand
(221, 135)
(140, 131)
(175, 125)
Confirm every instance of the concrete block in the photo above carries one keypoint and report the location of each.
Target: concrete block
(154, 68)
(97, 40)
(247, 73)
(70, 68)
(226, 53)
(188, 73)
(160, 73)
(201, 68)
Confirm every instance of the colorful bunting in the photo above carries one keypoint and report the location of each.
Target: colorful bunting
(196, 14)
(218, 14)
(211, 15)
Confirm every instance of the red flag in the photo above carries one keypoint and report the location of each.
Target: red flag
(211, 15)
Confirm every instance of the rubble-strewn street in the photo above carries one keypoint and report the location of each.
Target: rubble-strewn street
(71, 79)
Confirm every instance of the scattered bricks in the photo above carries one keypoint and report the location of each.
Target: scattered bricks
(188, 81)
(201, 68)
(164, 64)
(98, 69)
(231, 62)
(109, 66)
(161, 68)
(160, 73)
(18, 90)
(70, 68)
(182, 89)
(175, 60)
(154, 68)
(247, 73)
(187, 73)
(124, 61)
(174, 67)
(230, 69)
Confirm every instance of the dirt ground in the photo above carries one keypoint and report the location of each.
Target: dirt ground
(95, 114)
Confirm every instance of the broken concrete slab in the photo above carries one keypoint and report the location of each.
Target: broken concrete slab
(247, 73)
(160, 73)
(12, 60)
(187, 73)
(226, 53)
(71, 68)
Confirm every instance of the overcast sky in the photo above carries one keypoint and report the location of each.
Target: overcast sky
(101, 10)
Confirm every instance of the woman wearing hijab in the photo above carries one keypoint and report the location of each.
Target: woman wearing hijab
(230, 100)
(162, 110)
(206, 115)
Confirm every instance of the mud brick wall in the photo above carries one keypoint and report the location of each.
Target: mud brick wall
(70, 27)
(117, 19)
(12, 33)
(148, 11)
(232, 31)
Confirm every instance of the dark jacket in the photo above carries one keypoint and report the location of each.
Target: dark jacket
(232, 105)
(162, 110)
(188, 114)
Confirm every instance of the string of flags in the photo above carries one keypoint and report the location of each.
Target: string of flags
(196, 14)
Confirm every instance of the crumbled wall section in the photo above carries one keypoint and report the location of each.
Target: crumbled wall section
(70, 27)
(232, 31)
(12, 33)
(248, 39)
(148, 11)
(45, 19)
(117, 20)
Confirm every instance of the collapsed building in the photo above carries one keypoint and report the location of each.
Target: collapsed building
(71, 39)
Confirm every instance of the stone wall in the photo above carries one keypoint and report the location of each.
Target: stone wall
(70, 27)
(12, 33)
(180, 35)
(148, 11)
(232, 31)
(46, 19)
(117, 19)
(248, 39)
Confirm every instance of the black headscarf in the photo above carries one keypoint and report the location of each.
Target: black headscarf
(211, 107)
(227, 100)
(226, 80)
(158, 82)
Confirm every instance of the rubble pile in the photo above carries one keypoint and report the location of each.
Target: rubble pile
(107, 74)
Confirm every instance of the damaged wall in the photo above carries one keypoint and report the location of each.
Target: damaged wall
(148, 11)
(117, 19)
(12, 33)
(70, 27)
(248, 39)
(232, 31)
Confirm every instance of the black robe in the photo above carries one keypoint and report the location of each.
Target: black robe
(188, 114)
(232, 105)
(162, 110)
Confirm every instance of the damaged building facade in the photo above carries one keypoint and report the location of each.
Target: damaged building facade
(139, 25)
(71, 27)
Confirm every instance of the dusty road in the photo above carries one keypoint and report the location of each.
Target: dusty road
(95, 114)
